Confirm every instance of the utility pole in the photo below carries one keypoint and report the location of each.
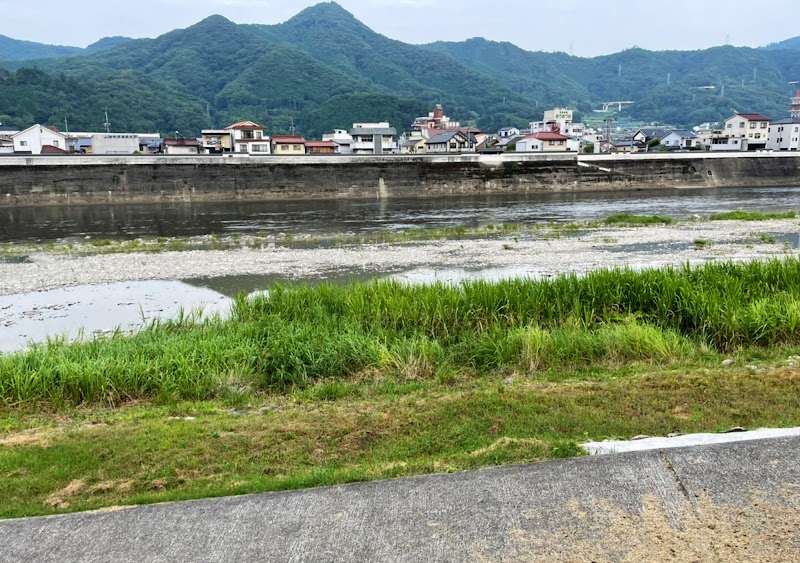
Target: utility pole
(669, 78)
(107, 124)
(619, 71)
(755, 74)
(66, 125)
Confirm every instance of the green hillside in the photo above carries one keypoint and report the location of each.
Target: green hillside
(324, 69)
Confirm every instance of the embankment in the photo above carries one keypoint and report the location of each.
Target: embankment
(93, 179)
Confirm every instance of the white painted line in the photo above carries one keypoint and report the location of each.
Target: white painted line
(647, 444)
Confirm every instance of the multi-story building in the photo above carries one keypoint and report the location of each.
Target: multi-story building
(743, 132)
(249, 138)
(217, 141)
(342, 139)
(784, 135)
(374, 138)
(451, 142)
(435, 120)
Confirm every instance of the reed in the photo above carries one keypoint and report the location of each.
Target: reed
(752, 216)
(300, 335)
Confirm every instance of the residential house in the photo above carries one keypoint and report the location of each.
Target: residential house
(451, 142)
(342, 139)
(6, 143)
(508, 132)
(39, 139)
(248, 138)
(184, 147)
(645, 136)
(413, 145)
(681, 139)
(320, 147)
(751, 130)
(435, 120)
(218, 141)
(374, 138)
(784, 135)
(149, 145)
(288, 145)
(625, 146)
(543, 142)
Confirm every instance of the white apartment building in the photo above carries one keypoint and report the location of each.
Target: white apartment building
(342, 139)
(374, 138)
(784, 135)
(249, 138)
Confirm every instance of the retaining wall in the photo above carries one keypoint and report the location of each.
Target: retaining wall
(91, 179)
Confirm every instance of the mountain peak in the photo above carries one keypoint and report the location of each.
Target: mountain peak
(327, 11)
(215, 21)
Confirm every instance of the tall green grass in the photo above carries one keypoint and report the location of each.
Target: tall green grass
(629, 219)
(302, 334)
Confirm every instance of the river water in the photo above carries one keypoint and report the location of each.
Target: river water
(37, 224)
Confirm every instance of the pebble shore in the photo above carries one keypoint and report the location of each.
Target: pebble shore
(531, 253)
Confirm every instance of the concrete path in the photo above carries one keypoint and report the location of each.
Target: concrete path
(727, 502)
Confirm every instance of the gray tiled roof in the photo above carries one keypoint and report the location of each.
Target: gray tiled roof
(373, 131)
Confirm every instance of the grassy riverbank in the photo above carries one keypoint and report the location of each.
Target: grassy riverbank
(300, 335)
(316, 385)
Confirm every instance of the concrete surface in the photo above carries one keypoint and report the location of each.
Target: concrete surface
(661, 443)
(730, 502)
(74, 180)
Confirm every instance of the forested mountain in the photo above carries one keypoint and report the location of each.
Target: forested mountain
(324, 69)
(790, 44)
(16, 50)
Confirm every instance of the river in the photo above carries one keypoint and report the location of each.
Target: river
(39, 224)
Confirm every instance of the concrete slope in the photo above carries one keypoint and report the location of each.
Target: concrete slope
(730, 502)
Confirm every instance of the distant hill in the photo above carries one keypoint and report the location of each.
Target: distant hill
(324, 69)
(16, 50)
(792, 44)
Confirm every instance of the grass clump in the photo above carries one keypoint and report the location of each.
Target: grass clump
(300, 335)
(630, 219)
(752, 216)
(701, 243)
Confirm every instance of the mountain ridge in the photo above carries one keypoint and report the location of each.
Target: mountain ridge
(323, 68)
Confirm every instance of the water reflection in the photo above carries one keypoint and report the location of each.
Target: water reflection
(358, 216)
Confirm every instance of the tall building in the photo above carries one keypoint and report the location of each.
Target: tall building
(795, 109)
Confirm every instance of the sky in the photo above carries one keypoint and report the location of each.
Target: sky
(582, 27)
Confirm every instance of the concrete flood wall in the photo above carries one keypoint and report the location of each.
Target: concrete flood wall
(89, 179)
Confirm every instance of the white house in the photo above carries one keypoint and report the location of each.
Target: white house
(784, 135)
(342, 139)
(544, 142)
(681, 139)
(750, 129)
(39, 139)
(249, 138)
(508, 132)
(374, 138)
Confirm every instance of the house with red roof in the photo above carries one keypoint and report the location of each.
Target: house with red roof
(546, 141)
(743, 132)
(288, 145)
(247, 137)
(320, 147)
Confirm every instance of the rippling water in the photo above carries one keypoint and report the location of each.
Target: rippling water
(349, 216)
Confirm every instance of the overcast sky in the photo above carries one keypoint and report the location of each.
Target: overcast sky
(586, 27)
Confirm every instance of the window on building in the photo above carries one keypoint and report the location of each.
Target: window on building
(741, 125)
(247, 135)
(284, 147)
(730, 125)
(242, 148)
(752, 126)
(55, 143)
(23, 143)
(758, 135)
(296, 147)
(258, 134)
(259, 148)
(764, 125)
